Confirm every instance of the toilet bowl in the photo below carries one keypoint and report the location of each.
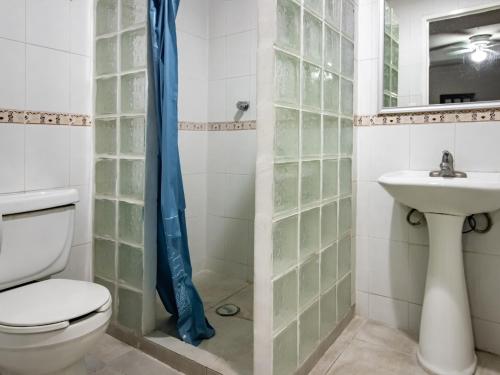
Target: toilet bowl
(46, 325)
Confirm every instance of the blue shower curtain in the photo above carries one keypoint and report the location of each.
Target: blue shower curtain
(174, 272)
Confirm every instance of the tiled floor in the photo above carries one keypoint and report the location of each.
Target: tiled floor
(366, 347)
(232, 346)
(112, 357)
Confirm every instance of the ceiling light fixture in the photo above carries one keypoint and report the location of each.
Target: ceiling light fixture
(479, 55)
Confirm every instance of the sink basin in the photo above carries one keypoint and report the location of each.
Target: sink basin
(446, 342)
(479, 192)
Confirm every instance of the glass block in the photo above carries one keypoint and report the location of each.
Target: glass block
(130, 309)
(332, 12)
(132, 135)
(105, 136)
(132, 179)
(330, 178)
(345, 176)
(315, 5)
(332, 50)
(311, 135)
(328, 312)
(387, 100)
(134, 12)
(309, 233)
(344, 256)
(331, 100)
(285, 356)
(133, 91)
(284, 300)
(106, 56)
(105, 218)
(286, 187)
(343, 297)
(347, 58)
(330, 135)
(308, 281)
(104, 258)
(309, 332)
(134, 51)
(105, 177)
(131, 221)
(394, 102)
(313, 38)
(346, 136)
(328, 267)
(387, 18)
(285, 243)
(287, 79)
(288, 25)
(130, 265)
(394, 81)
(395, 54)
(106, 96)
(286, 137)
(345, 216)
(108, 285)
(387, 49)
(348, 20)
(311, 182)
(387, 78)
(328, 224)
(347, 99)
(106, 17)
(311, 95)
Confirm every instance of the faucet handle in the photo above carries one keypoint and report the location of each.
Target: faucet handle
(447, 157)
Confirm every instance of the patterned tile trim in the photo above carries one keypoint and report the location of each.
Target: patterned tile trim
(218, 126)
(445, 117)
(45, 118)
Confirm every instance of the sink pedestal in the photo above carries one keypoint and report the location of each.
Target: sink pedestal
(446, 344)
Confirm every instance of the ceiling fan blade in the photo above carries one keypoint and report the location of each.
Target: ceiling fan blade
(461, 51)
(456, 45)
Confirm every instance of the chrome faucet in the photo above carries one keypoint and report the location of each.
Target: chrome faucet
(447, 167)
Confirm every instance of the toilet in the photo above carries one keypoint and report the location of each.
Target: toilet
(46, 325)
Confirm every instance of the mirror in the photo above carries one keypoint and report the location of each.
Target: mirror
(437, 53)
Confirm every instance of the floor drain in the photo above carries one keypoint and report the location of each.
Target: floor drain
(228, 310)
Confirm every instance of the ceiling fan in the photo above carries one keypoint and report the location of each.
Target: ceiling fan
(479, 47)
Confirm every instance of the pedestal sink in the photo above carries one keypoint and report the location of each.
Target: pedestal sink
(446, 345)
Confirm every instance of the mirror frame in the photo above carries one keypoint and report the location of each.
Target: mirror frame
(431, 107)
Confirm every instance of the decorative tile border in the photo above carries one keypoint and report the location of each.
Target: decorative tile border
(14, 116)
(445, 117)
(218, 126)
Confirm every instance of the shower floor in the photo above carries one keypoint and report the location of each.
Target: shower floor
(231, 349)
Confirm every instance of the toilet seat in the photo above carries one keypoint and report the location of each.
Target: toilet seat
(50, 305)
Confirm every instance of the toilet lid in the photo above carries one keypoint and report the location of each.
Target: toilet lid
(50, 301)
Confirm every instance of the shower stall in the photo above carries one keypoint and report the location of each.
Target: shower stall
(265, 137)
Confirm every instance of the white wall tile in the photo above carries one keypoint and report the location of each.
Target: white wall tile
(81, 36)
(218, 155)
(13, 25)
(195, 192)
(217, 101)
(389, 268)
(487, 335)
(477, 147)
(216, 199)
(48, 23)
(487, 243)
(80, 155)
(11, 158)
(47, 156)
(239, 196)
(363, 304)
(80, 84)
(363, 263)
(47, 75)
(193, 17)
(415, 313)
(12, 74)
(217, 17)
(236, 240)
(83, 225)
(241, 16)
(238, 54)
(193, 57)
(389, 311)
(193, 97)
(237, 89)
(79, 265)
(427, 142)
(217, 58)
(241, 150)
(193, 148)
(215, 237)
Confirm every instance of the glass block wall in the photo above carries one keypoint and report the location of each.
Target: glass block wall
(391, 57)
(120, 129)
(311, 162)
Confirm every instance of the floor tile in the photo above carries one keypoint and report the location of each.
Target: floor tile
(107, 350)
(136, 362)
(214, 287)
(392, 339)
(244, 300)
(489, 364)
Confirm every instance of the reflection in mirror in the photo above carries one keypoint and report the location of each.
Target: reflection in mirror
(436, 53)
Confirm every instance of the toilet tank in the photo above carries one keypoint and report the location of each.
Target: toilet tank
(36, 231)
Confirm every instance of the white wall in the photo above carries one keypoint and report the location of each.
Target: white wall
(45, 65)
(391, 256)
(217, 51)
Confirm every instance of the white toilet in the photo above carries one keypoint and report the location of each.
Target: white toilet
(46, 325)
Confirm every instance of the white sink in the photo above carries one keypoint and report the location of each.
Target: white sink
(479, 192)
(446, 344)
